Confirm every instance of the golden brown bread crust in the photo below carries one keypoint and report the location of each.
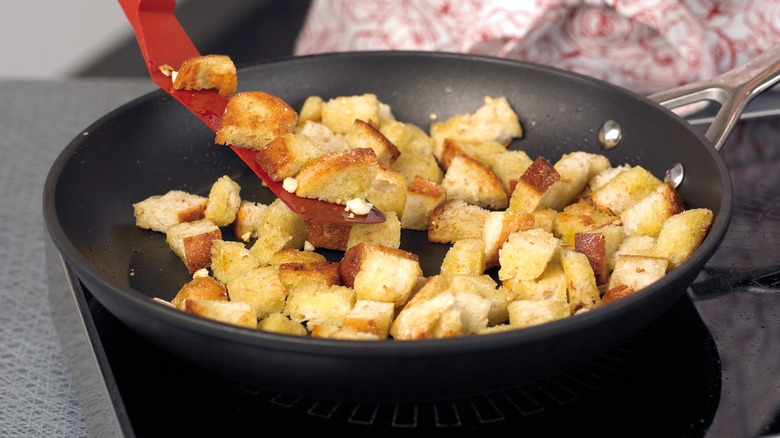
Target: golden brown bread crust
(295, 273)
(200, 288)
(328, 235)
(354, 256)
(616, 293)
(594, 246)
(209, 71)
(540, 175)
(198, 249)
(341, 168)
(370, 136)
(253, 119)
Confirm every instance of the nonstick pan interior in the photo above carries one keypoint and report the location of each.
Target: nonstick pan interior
(153, 145)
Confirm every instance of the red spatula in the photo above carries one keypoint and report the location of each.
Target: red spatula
(163, 41)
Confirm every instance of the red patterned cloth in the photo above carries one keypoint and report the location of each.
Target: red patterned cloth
(643, 45)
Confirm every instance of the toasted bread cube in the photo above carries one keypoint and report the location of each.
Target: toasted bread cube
(465, 256)
(280, 228)
(544, 218)
(339, 114)
(294, 255)
(485, 287)
(338, 176)
(253, 119)
(388, 191)
(551, 284)
(159, 212)
(580, 217)
(603, 177)
(525, 313)
(625, 190)
(261, 288)
(224, 201)
(200, 288)
(354, 257)
(616, 293)
(364, 135)
(494, 121)
(278, 323)
(525, 254)
(681, 234)
(387, 233)
(471, 181)
(648, 215)
(230, 312)
(412, 164)
(325, 139)
(532, 186)
(249, 216)
(294, 274)
(580, 281)
(205, 72)
(633, 245)
(594, 247)
(311, 110)
(387, 275)
(328, 235)
(407, 137)
(284, 156)
(372, 317)
(474, 312)
(455, 220)
(637, 272)
(344, 333)
(437, 317)
(509, 166)
(576, 169)
(318, 304)
(230, 259)
(423, 196)
(480, 151)
(498, 226)
(192, 241)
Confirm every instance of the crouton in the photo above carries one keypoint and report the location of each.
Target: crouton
(373, 317)
(206, 72)
(532, 186)
(325, 139)
(604, 177)
(485, 287)
(637, 272)
(294, 274)
(581, 284)
(223, 202)
(200, 288)
(328, 235)
(455, 220)
(498, 226)
(284, 156)
(311, 110)
(407, 137)
(479, 151)
(261, 288)
(411, 164)
(278, 323)
(681, 234)
(544, 218)
(525, 254)
(575, 170)
(466, 256)
(294, 255)
(230, 259)
(473, 182)
(338, 177)
(364, 135)
(387, 233)
(318, 304)
(230, 312)
(624, 190)
(616, 293)
(551, 284)
(633, 245)
(159, 212)
(384, 274)
(280, 228)
(508, 166)
(594, 247)
(580, 217)
(526, 313)
(252, 119)
(192, 241)
(437, 317)
(388, 191)
(648, 215)
(423, 196)
(339, 114)
(249, 216)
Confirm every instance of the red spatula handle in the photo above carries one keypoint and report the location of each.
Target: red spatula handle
(163, 41)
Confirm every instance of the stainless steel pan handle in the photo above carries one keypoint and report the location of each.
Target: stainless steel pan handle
(733, 90)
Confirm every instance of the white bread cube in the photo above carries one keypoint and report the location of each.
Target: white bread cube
(224, 201)
(466, 256)
(551, 284)
(386, 275)
(637, 272)
(580, 217)
(575, 170)
(311, 110)
(648, 215)
(633, 245)
(206, 72)
(240, 125)
(159, 212)
(200, 288)
(249, 216)
(369, 316)
(338, 177)
(480, 151)
(261, 288)
(485, 287)
(437, 317)
(544, 218)
(388, 191)
(423, 196)
(407, 137)
(525, 254)
(230, 259)
(322, 136)
(525, 313)
(580, 281)
(473, 182)
(599, 246)
(498, 226)
(314, 303)
(284, 156)
(509, 166)
(364, 135)
(625, 190)
(681, 234)
(455, 220)
(387, 233)
(192, 241)
(280, 228)
(295, 274)
(339, 114)
(532, 186)
(411, 164)
(279, 323)
(230, 312)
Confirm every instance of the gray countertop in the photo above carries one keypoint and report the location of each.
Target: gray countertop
(37, 120)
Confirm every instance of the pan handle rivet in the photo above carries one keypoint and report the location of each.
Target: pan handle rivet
(674, 175)
(610, 134)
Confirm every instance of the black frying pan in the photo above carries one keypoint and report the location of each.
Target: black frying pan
(153, 144)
